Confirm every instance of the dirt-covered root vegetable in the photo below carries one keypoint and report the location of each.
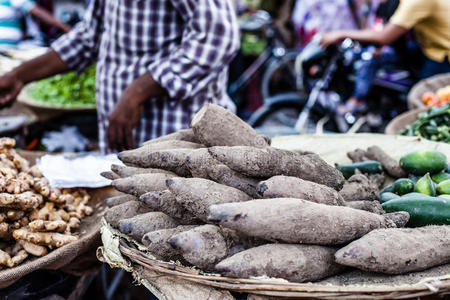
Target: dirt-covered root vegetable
(125, 211)
(400, 218)
(197, 194)
(157, 242)
(170, 160)
(50, 239)
(181, 135)
(120, 199)
(138, 185)
(42, 225)
(357, 155)
(4, 258)
(370, 206)
(398, 250)
(204, 246)
(390, 165)
(224, 175)
(199, 162)
(166, 202)
(126, 171)
(297, 221)
(359, 188)
(293, 187)
(269, 162)
(139, 156)
(139, 225)
(25, 201)
(33, 249)
(216, 126)
(109, 175)
(296, 263)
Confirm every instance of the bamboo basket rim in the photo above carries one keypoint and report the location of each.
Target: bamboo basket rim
(282, 288)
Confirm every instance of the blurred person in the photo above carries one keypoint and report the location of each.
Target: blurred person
(430, 20)
(12, 14)
(158, 63)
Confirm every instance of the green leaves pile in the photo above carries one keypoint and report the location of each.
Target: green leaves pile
(66, 90)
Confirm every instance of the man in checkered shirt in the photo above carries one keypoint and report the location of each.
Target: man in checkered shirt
(158, 62)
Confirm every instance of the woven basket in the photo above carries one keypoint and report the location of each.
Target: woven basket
(427, 85)
(280, 288)
(403, 120)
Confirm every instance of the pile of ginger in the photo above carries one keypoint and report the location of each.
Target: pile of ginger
(34, 217)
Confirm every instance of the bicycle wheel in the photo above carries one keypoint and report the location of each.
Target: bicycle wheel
(280, 76)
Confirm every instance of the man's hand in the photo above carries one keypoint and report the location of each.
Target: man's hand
(330, 38)
(128, 111)
(10, 87)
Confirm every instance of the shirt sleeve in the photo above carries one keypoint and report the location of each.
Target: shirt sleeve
(79, 48)
(411, 12)
(209, 42)
(23, 5)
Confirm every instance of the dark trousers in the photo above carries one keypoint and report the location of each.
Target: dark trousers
(432, 67)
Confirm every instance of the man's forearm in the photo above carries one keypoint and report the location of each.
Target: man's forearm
(41, 67)
(48, 18)
(387, 36)
(143, 88)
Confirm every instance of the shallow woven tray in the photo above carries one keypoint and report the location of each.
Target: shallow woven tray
(401, 121)
(431, 84)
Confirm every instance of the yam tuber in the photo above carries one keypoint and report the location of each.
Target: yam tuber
(359, 188)
(139, 225)
(293, 187)
(398, 250)
(370, 206)
(197, 194)
(126, 171)
(390, 165)
(216, 126)
(224, 175)
(166, 202)
(138, 185)
(181, 135)
(170, 160)
(139, 156)
(117, 200)
(125, 211)
(109, 175)
(297, 221)
(296, 263)
(357, 155)
(157, 242)
(269, 162)
(204, 246)
(50, 239)
(199, 162)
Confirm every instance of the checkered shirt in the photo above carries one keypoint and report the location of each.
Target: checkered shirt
(186, 45)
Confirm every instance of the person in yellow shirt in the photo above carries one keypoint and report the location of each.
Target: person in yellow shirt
(430, 20)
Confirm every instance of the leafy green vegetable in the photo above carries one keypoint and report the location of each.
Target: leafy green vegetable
(66, 90)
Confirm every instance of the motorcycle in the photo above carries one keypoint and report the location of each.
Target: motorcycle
(324, 79)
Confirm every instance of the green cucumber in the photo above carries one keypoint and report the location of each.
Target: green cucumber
(366, 167)
(403, 186)
(443, 188)
(387, 189)
(423, 210)
(425, 186)
(439, 177)
(422, 162)
(385, 197)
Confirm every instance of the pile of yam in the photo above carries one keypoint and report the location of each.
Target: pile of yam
(219, 198)
(34, 217)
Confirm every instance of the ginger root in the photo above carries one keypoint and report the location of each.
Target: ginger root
(49, 239)
(33, 249)
(41, 225)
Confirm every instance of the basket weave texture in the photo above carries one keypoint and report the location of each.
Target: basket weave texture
(431, 84)
(401, 121)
